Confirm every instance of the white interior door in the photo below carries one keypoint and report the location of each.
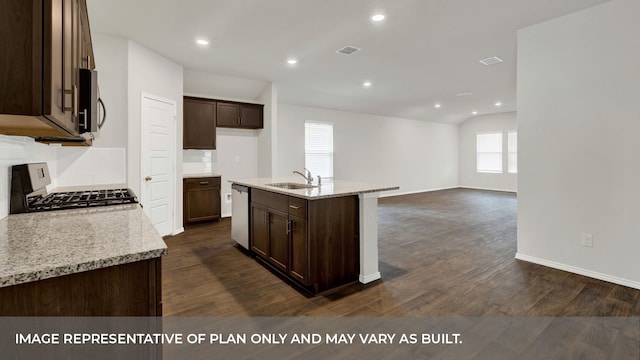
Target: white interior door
(157, 145)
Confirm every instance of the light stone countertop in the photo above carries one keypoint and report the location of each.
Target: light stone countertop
(328, 189)
(197, 176)
(41, 245)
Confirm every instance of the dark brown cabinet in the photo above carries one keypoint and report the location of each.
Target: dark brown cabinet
(240, 115)
(260, 230)
(201, 198)
(132, 289)
(314, 242)
(279, 239)
(299, 249)
(199, 124)
(42, 44)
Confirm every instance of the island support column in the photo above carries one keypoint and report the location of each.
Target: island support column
(368, 203)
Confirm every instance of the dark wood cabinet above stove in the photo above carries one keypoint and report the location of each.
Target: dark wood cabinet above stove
(43, 44)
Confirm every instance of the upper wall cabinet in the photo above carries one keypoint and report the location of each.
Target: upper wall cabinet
(43, 44)
(240, 115)
(199, 123)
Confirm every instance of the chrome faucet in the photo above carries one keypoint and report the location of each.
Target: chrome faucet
(307, 177)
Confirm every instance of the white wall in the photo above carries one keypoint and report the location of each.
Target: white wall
(415, 155)
(222, 87)
(111, 56)
(152, 74)
(469, 177)
(268, 136)
(578, 123)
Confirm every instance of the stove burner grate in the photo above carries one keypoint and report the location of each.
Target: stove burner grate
(81, 199)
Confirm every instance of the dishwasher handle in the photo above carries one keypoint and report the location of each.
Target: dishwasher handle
(240, 188)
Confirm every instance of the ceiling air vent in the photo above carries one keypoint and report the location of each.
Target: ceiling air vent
(491, 60)
(348, 50)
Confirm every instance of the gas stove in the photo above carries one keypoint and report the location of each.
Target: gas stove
(81, 199)
(28, 193)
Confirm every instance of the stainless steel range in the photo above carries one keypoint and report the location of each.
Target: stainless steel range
(29, 192)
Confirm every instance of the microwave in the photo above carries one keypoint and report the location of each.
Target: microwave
(91, 110)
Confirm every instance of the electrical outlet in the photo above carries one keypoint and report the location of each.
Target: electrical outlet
(587, 240)
(228, 198)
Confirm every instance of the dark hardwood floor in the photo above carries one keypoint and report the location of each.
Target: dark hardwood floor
(443, 253)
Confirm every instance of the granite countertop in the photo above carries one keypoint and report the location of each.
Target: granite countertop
(43, 245)
(328, 189)
(202, 175)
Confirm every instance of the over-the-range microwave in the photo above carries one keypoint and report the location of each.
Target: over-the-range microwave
(92, 112)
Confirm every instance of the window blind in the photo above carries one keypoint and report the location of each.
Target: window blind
(489, 152)
(318, 148)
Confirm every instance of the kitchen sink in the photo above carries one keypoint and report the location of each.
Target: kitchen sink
(289, 185)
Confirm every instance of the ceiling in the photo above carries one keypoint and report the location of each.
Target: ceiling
(424, 52)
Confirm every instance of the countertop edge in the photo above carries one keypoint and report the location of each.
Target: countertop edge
(313, 197)
(48, 273)
(199, 176)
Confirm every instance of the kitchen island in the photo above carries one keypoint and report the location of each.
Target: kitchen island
(321, 237)
(102, 261)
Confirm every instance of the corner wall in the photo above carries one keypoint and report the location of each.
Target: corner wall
(578, 126)
(469, 176)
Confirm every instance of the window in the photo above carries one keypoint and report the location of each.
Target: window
(512, 154)
(489, 152)
(318, 148)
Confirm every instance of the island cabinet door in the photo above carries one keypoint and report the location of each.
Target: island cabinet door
(259, 230)
(299, 250)
(279, 240)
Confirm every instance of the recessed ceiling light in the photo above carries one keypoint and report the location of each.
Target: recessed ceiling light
(202, 42)
(377, 17)
(437, 106)
(292, 61)
(366, 84)
(474, 113)
(498, 103)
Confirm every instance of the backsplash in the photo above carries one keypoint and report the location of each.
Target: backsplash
(90, 166)
(199, 161)
(19, 150)
(68, 166)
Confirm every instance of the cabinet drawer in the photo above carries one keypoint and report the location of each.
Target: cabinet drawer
(298, 207)
(270, 199)
(213, 182)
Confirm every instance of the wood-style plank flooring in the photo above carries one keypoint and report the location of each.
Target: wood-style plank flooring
(442, 253)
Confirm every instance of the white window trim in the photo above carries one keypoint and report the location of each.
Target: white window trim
(501, 171)
(509, 152)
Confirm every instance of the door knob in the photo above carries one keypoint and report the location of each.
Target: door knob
(147, 178)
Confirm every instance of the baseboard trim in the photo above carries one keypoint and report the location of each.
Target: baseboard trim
(385, 194)
(225, 215)
(579, 271)
(178, 231)
(488, 189)
(365, 279)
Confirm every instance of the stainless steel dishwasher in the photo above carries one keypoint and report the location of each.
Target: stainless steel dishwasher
(240, 215)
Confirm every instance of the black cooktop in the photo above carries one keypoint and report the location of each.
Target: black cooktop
(81, 199)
